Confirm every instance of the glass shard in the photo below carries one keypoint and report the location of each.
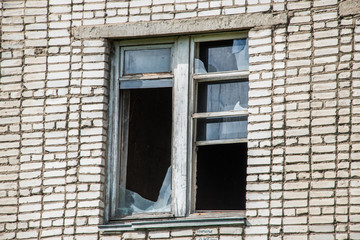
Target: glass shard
(227, 55)
(132, 202)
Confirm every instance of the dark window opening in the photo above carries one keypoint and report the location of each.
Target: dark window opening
(221, 177)
(149, 142)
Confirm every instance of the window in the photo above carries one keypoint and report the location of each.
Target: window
(178, 123)
(220, 122)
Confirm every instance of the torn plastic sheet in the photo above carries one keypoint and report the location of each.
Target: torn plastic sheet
(131, 202)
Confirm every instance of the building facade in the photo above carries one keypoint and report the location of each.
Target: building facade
(72, 69)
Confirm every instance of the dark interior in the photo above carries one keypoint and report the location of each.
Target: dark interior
(221, 177)
(149, 143)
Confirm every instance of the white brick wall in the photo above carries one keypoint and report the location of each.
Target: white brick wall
(304, 123)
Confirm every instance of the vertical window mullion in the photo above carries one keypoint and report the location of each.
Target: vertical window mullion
(180, 129)
(192, 127)
(114, 127)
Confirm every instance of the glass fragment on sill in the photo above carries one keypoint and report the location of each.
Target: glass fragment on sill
(134, 203)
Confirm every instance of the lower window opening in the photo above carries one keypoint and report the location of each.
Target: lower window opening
(148, 171)
(221, 177)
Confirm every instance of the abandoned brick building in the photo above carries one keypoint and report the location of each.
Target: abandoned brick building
(180, 119)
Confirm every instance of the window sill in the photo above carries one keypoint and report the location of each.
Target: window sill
(197, 220)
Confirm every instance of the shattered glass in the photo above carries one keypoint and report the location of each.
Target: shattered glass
(131, 202)
(219, 56)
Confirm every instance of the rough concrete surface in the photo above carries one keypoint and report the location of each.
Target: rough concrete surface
(184, 26)
(349, 7)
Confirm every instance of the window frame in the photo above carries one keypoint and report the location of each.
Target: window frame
(179, 71)
(207, 77)
(152, 80)
(183, 157)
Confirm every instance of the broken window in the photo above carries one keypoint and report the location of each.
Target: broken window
(220, 122)
(145, 183)
(178, 114)
(144, 101)
(223, 55)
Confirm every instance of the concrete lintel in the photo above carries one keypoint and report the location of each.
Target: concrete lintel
(181, 26)
(349, 7)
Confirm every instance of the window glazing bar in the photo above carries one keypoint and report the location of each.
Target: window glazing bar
(222, 141)
(220, 114)
(179, 143)
(134, 84)
(221, 76)
(146, 76)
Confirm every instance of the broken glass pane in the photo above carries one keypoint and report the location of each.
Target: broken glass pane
(219, 128)
(147, 61)
(131, 202)
(148, 152)
(219, 56)
(222, 96)
(199, 66)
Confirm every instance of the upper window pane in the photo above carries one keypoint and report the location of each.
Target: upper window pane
(222, 96)
(219, 56)
(147, 61)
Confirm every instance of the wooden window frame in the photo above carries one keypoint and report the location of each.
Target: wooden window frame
(180, 83)
(183, 157)
(209, 77)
